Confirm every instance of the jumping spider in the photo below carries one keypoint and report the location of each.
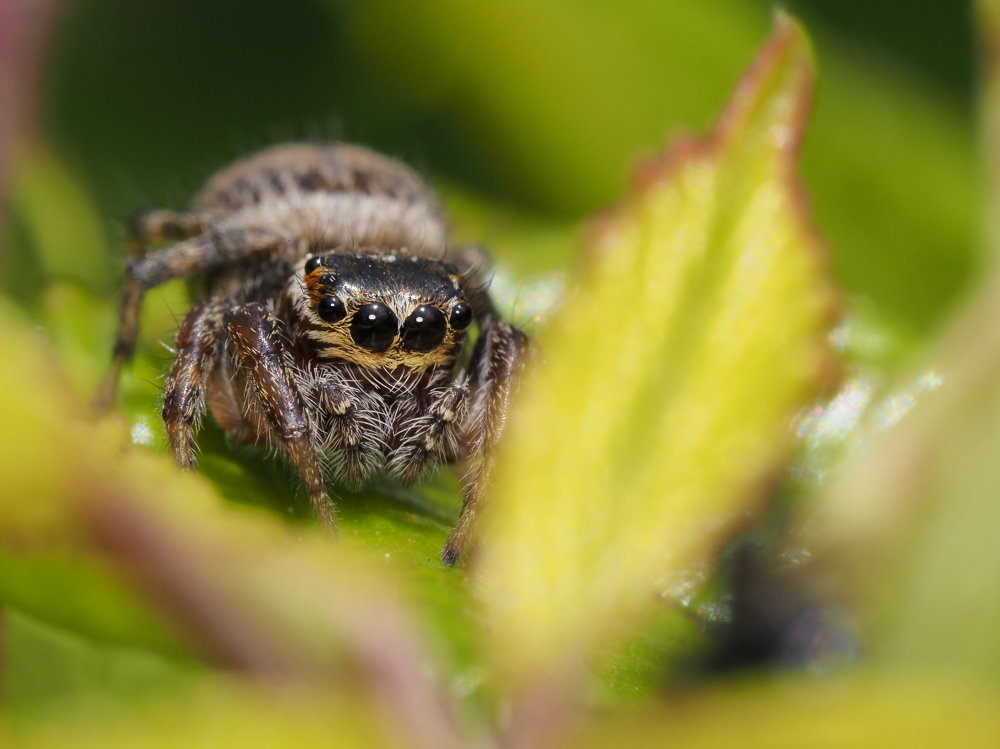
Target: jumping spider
(332, 314)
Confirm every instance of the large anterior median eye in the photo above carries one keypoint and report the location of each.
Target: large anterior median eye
(374, 326)
(424, 329)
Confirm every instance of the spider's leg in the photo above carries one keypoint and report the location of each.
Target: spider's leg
(433, 435)
(198, 347)
(356, 426)
(186, 258)
(258, 343)
(496, 360)
(473, 261)
(161, 225)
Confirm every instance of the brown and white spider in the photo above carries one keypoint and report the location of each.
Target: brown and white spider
(331, 318)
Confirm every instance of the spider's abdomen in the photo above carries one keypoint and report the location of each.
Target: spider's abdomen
(297, 169)
(338, 194)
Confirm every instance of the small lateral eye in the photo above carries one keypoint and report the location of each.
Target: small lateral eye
(313, 263)
(331, 309)
(461, 316)
(424, 329)
(374, 327)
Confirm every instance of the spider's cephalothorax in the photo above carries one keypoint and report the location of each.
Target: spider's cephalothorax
(332, 317)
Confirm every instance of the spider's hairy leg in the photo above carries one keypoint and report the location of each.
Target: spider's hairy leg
(257, 342)
(198, 347)
(227, 407)
(186, 258)
(160, 225)
(472, 260)
(497, 359)
(356, 426)
(432, 436)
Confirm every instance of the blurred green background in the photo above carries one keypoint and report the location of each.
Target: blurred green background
(541, 108)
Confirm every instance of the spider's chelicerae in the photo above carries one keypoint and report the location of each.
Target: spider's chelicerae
(331, 319)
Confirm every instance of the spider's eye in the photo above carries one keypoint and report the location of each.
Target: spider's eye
(313, 263)
(424, 329)
(374, 326)
(331, 308)
(461, 316)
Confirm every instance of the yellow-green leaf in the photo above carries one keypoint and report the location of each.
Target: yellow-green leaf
(857, 711)
(219, 713)
(696, 328)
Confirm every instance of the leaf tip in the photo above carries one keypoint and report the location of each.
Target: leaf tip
(784, 69)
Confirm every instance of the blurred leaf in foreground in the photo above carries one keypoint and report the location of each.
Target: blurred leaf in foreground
(800, 712)
(696, 329)
(114, 543)
(47, 667)
(219, 713)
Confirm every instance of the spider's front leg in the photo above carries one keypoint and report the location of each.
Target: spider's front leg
(432, 436)
(198, 346)
(159, 225)
(496, 361)
(198, 253)
(356, 420)
(259, 346)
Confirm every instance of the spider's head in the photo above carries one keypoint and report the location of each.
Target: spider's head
(383, 310)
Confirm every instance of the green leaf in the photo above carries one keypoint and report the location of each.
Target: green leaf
(219, 713)
(696, 328)
(46, 667)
